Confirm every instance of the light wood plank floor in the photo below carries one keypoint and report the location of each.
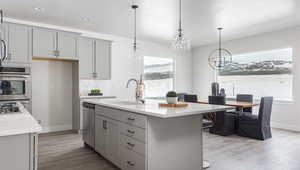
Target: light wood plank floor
(65, 151)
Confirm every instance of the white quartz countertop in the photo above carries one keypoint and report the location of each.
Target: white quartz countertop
(18, 123)
(96, 97)
(152, 108)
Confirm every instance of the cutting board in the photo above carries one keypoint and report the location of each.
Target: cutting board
(173, 105)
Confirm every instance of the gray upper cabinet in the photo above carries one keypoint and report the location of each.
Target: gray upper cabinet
(19, 43)
(67, 45)
(103, 59)
(43, 43)
(86, 57)
(54, 44)
(95, 59)
(18, 38)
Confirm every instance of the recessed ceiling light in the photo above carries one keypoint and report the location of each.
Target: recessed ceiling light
(85, 19)
(39, 9)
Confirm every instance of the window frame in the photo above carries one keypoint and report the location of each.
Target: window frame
(174, 72)
(256, 99)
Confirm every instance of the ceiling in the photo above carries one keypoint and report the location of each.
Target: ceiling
(158, 19)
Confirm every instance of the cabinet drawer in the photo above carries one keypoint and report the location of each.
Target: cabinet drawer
(133, 132)
(133, 145)
(132, 160)
(134, 119)
(108, 112)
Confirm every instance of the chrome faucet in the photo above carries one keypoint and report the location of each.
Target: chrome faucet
(139, 90)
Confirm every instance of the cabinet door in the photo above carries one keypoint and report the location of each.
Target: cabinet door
(100, 135)
(86, 126)
(103, 59)
(86, 57)
(43, 43)
(18, 44)
(67, 45)
(112, 142)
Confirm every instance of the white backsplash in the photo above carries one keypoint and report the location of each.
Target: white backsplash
(104, 85)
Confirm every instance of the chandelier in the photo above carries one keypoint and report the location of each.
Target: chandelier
(221, 57)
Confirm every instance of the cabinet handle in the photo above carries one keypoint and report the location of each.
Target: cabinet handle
(131, 119)
(130, 163)
(130, 131)
(104, 124)
(130, 144)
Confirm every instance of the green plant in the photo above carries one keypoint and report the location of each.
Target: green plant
(172, 94)
(95, 91)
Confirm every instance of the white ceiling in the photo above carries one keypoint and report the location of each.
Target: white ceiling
(157, 19)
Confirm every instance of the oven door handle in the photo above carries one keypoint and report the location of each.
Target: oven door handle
(14, 75)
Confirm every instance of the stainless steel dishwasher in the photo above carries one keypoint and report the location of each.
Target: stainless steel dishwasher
(88, 132)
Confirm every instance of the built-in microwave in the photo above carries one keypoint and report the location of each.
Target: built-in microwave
(15, 83)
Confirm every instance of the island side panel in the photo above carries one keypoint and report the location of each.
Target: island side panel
(175, 143)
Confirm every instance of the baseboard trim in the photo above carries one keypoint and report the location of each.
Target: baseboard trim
(285, 126)
(49, 129)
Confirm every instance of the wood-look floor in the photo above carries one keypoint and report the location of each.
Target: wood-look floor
(65, 151)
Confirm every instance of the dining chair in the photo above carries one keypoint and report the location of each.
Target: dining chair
(245, 98)
(191, 98)
(257, 126)
(224, 122)
(181, 96)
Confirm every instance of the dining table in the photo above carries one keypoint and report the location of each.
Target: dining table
(238, 104)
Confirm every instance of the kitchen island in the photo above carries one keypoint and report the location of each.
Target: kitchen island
(148, 137)
(18, 140)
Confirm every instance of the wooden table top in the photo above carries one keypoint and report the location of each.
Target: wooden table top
(235, 103)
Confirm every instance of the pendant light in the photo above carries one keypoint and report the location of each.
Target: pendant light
(221, 57)
(180, 42)
(135, 49)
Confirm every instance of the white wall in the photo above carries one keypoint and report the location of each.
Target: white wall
(52, 94)
(124, 68)
(286, 115)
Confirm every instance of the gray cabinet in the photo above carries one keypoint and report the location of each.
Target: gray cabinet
(67, 45)
(54, 44)
(88, 131)
(18, 152)
(103, 59)
(19, 43)
(43, 43)
(86, 57)
(18, 38)
(107, 138)
(95, 59)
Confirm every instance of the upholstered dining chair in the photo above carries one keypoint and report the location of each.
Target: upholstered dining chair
(257, 126)
(224, 122)
(245, 98)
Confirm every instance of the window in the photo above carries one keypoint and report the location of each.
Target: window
(159, 76)
(267, 73)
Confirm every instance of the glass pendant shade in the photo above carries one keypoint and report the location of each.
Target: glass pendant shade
(181, 43)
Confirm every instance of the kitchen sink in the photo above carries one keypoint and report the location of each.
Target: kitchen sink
(125, 103)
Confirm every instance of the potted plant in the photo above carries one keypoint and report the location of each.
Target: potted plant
(172, 97)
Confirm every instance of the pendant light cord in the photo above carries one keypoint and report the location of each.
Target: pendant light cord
(1, 15)
(180, 17)
(134, 7)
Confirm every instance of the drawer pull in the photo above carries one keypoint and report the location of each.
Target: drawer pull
(130, 163)
(130, 144)
(131, 119)
(131, 131)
